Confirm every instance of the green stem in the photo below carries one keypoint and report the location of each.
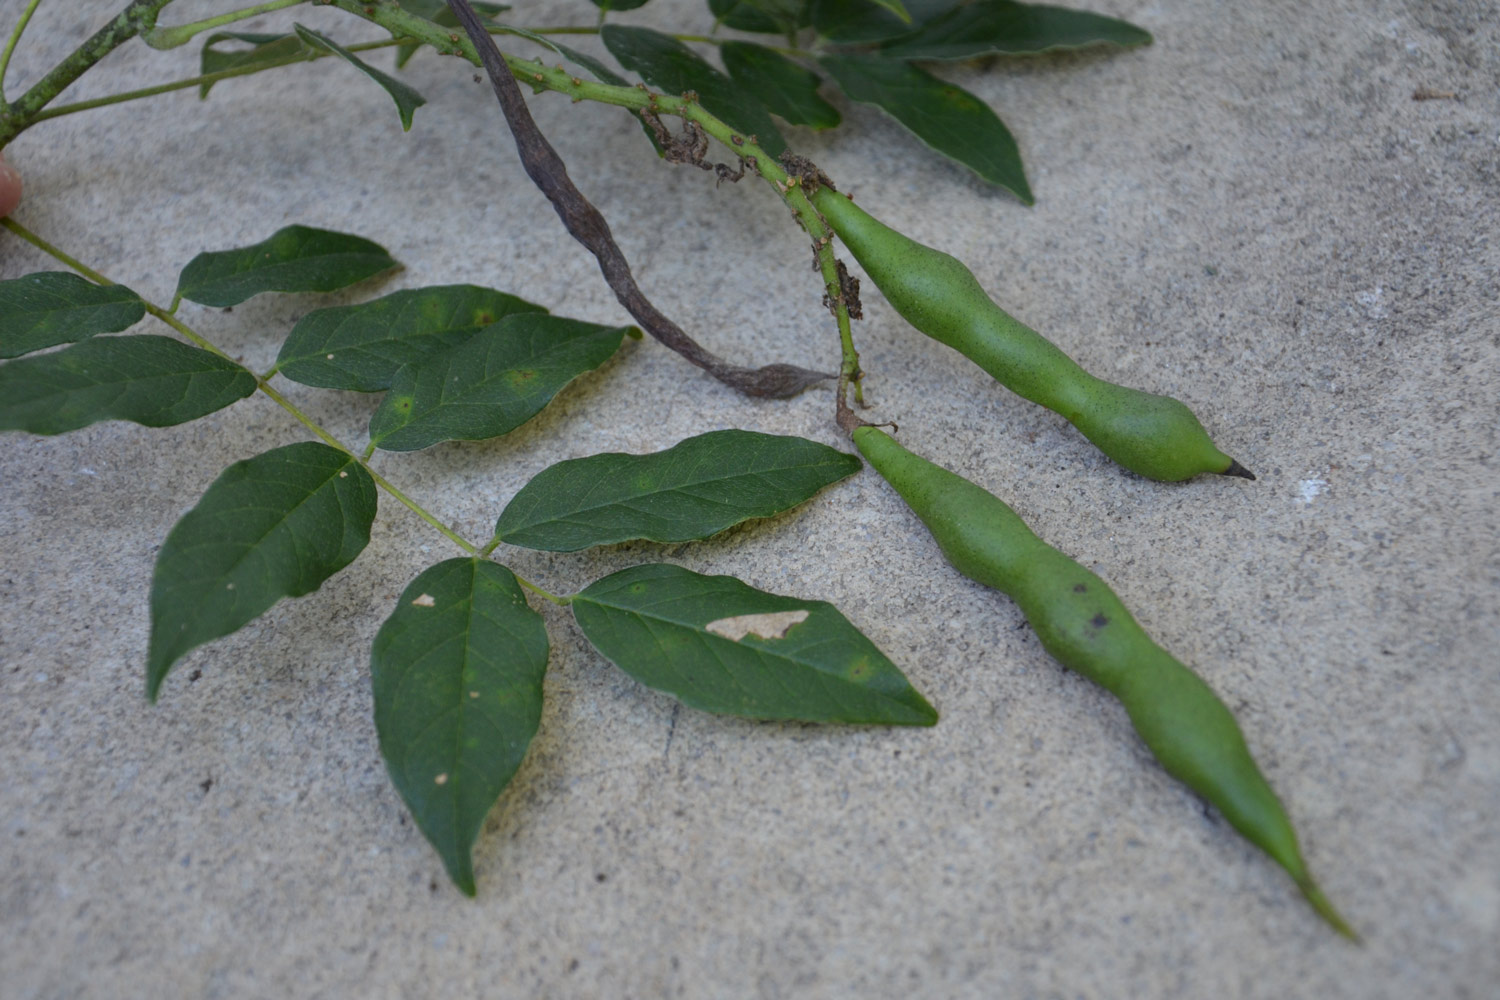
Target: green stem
(421, 512)
(575, 29)
(828, 266)
(184, 329)
(10, 46)
(139, 16)
(55, 252)
(170, 38)
(196, 81)
(538, 591)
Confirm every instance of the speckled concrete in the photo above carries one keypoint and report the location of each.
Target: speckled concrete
(1253, 215)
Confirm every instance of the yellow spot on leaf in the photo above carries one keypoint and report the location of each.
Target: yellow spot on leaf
(425, 601)
(441, 779)
(772, 625)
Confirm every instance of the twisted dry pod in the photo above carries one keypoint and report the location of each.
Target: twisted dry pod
(1081, 622)
(1155, 436)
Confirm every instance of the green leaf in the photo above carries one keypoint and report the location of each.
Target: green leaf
(294, 259)
(897, 8)
(666, 63)
(695, 489)
(490, 384)
(786, 88)
(150, 380)
(273, 526)
(717, 644)
(407, 100)
(1009, 28)
(438, 12)
(362, 346)
(54, 307)
(767, 17)
(608, 5)
(457, 671)
(267, 50)
(944, 116)
(854, 21)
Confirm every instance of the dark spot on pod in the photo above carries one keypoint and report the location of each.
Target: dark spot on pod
(1099, 621)
(1080, 588)
(1236, 469)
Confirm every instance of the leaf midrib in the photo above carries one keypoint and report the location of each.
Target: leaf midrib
(253, 545)
(680, 487)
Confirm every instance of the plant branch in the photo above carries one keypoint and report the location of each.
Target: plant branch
(587, 225)
(10, 45)
(139, 16)
(198, 81)
(181, 34)
(571, 29)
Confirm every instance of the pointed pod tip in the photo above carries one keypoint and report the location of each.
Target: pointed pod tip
(1236, 469)
(1325, 909)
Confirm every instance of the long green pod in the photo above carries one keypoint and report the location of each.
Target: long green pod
(1155, 436)
(1081, 622)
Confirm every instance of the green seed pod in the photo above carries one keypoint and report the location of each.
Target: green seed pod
(1155, 436)
(1081, 622)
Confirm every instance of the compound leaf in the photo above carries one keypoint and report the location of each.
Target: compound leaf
(492, 383)
(361, 347)
(694, 489)
(786, 88)
(1009, 28)
(273, 526)
(665, 62)
(150, 380)
(944, 116)
(718, 644)
(457, 673)
(54, 307)
(407, 99)
(294, 259)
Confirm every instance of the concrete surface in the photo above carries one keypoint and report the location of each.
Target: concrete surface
(1253, 215)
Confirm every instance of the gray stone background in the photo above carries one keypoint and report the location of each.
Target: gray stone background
(1253, 214)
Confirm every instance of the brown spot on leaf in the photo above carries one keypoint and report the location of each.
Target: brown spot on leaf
(771, 625)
